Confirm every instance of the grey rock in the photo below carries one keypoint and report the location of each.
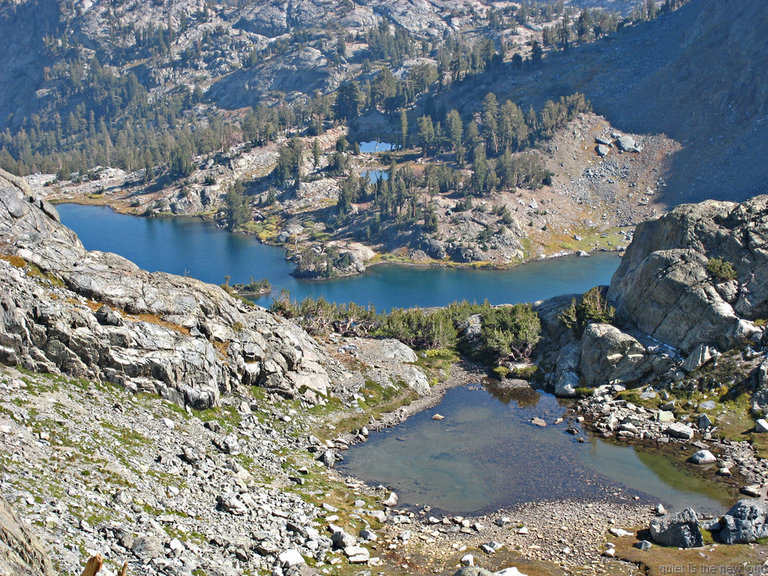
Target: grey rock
(679, 430)
(328, 457)
(643, 545)
(627, 144)
(663, 287)
(608, 354)
(290, 557)
(472, 570)
(357, 554)
(707, 405)
(703, 457)
(147, 548)
(680, 530)
(752, 491)
(188, 342)
(696, 359)
(602, 150)
(340, 538)
(704, 422)
(745, 522)
(761, 426)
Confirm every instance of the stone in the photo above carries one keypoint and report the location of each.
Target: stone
(466, 560)
(328, 458)
(704, 422)
(357, 554)
(680, 530)
(663, 287)
(643, 545)
(679, 430)
(627, 144)
(340, 538)
(707, 405)
(391, 500)
(290, 557)
(701, 355)
(752, 491)
(761, 426)
(21, 553)
(745, 522)
(619, 533)
(703, 457)
(602, 150)
(438, 417)
(536, 421)
(610, 355)
(665, 416)
(659, 509)
(147, 548)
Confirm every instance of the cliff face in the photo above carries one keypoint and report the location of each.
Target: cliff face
(692, 284)
(98, 316)
(668, 285)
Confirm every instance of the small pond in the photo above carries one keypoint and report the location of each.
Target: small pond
(375, 175)
(486, 454)
(373, 146)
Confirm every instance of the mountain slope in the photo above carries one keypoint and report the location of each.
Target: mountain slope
(697, 75)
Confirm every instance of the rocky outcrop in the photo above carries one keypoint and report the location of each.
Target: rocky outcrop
(602, 354)
(21, 553)
(97, 315)
(680, 530)
(689, 286)
(664, 286)
(745, 522)
(610, 355)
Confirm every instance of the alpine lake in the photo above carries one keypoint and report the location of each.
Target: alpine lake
(484, 454)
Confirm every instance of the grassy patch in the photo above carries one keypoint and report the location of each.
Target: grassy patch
(709, 559)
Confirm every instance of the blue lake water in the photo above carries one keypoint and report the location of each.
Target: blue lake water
(200, 249)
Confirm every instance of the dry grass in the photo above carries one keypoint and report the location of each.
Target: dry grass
(709, 559)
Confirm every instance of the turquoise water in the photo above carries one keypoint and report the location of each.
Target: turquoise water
(486, 455)
(200, 249)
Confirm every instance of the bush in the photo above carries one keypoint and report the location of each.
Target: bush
(721, 270)
(511, 331)
(592, 308)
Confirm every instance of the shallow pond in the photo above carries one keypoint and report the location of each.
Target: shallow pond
(486, 454)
